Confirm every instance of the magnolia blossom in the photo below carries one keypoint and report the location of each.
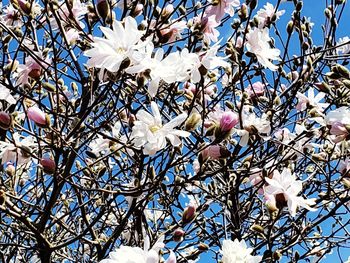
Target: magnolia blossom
(223, 6)
(32, 69)
(286, 183)
(5, 95)
(311, 100)
(256, 89)
(77, 10)
(37, 115)
(251, 124)
(149, 132)
(127, 254)
(120, 44)
(344, 45)
(177, 66)
(339, 121)
(212, 151)
(258, 42)
(173, 31)
(237, 252)
(11, 16)
(265, 14)
(207, 25)
(18, 151)
(102, 144)
(228, 121)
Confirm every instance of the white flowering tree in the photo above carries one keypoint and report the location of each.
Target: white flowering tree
(173, 131)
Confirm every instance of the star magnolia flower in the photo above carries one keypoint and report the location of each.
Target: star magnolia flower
(103, 145)
(11, 16)
(32, 69)
(149, 132)
(173, 31)
(339, 120)
(256, 89)
(285, 183)
(266, 13)
(311, 99)
(207, 25)
(237, 252)
(258, 43)
(222, 7)
(19, 151)
(119, 44)
(6, 95)
(345, 45)
(251, 123)
(127, 254)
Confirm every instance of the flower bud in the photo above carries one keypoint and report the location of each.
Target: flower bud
(178, 234)
(290, 27)
(5, 120)
(24, 5)
(2, 197)
(167, 11)
(137, 10)
(228, 120)
(189, 213)
(10, 169)
(38, 116)
(270, 203)
(193, 121)
(212, 151)
(103, 9)
(202, 247)
(48, 165)
(35, 73)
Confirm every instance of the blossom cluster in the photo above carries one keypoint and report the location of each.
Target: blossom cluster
(172, 131)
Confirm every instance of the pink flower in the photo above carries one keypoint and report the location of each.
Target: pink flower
(32, 68)
(5, 120)
(255, 179)
(48, 165)
(228, 120)
(173, 32)
(256, 90)
(223, 6)
(11, 16)
(212, 151)
(37, 115)
(189, 213)
(206, 24)
(338, 129)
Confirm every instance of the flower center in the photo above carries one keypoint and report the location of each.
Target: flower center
(155, 128)
(120, 50)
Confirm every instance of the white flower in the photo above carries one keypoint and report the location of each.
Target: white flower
(266, 13)
(77, 10)
(6, 95)
(19, 151)
(311, 99)
(345, 45)
(119, 44)
(149, 132)
(258, 42)
(102, 143)
(286, 183)
(340, 115)
(237, 252)
(11, 16)
(221, 7)
(250, 123)
(127, 254)
(32, 69)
